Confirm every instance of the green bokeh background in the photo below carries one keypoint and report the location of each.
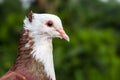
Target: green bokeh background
(93, 26)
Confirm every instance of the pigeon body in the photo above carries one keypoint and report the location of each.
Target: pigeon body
(35, 57)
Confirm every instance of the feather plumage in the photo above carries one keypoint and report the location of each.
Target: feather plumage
(35, 58)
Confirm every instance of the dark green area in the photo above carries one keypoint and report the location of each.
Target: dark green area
(93, 52)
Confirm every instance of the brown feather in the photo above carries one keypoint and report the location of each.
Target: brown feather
(30, 16)
(25, 64)
(13, 76)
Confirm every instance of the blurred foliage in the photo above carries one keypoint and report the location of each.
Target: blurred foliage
(94, 29)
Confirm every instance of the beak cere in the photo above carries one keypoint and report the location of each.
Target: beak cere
(63, 34)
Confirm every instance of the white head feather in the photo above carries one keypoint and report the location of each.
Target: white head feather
(39, 25)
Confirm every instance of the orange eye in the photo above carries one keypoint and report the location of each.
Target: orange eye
(49, 24)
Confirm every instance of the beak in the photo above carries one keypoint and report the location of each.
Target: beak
(63, 35)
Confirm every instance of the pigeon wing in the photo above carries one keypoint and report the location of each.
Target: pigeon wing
(13, 76)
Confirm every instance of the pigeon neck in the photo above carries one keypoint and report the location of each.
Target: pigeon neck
(35, 59)
(42, 51)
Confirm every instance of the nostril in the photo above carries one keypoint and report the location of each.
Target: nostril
(61, 31)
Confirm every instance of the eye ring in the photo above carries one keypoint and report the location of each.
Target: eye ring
(49, 23)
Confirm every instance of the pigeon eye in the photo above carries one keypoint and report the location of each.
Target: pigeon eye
(49, 24)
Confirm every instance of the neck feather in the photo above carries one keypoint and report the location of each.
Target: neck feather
(42, 52)
(35, 50)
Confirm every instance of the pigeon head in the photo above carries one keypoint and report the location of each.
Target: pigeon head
(47, 25)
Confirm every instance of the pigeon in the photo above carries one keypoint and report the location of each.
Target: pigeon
(35, 51)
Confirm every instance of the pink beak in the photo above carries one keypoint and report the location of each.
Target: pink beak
(63, 34)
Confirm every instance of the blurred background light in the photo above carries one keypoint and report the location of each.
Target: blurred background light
(105, 1)
(1, 1)
(26, 3)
